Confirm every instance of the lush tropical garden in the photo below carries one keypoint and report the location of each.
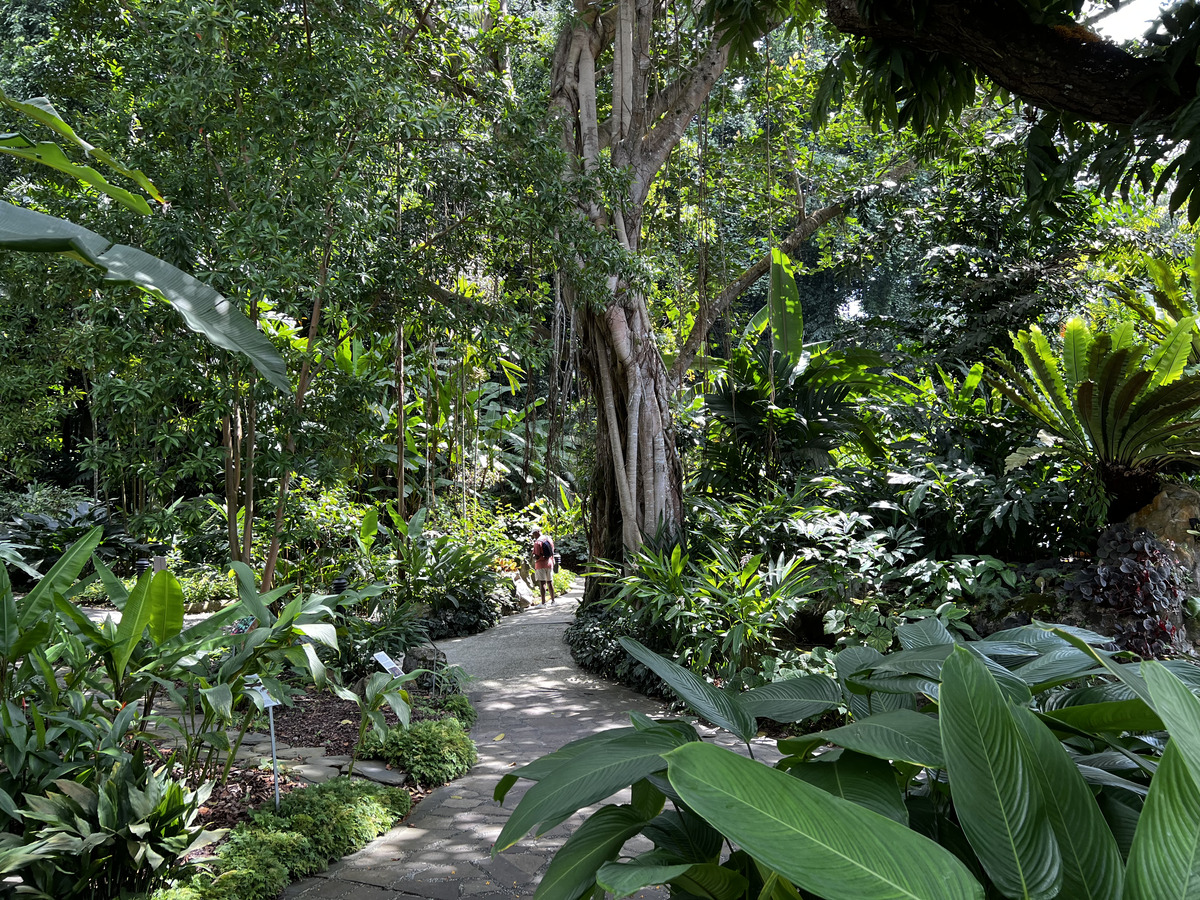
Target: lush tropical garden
(849, 352)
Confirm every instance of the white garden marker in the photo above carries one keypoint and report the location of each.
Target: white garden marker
(389, 665)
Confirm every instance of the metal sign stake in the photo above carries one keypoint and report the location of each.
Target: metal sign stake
(274, 756)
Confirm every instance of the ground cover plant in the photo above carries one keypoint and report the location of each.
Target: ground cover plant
(315, 825)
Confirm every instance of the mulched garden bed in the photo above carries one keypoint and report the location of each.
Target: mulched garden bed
(317, 719)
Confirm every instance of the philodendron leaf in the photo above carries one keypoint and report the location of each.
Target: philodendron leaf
(1164, 859)
(717, 706)
(583, 780)
(202, 308)
(996, 797)
(1091, 860)
(793, 699)
(821, 843)
(707, 881)
(572, 872)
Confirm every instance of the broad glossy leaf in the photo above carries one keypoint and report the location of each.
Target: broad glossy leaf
(786, 316)
(117, 594)
(134, 619)
(1063, 664)
(929, 632)
(684, 836)
(869, 782)
(901, 734)
(1164, 860)
(1091, 862)
(1115, 716)
(717, 706)
(1179, 709)
(9, 629)
(61, 574)
(165, 599)
(545, 765)
(793, 699)
(583, 780)
(572, 872)
(248, 593)
(220, 698)
(708, 881)
(50, 154)
(40, 109)
(820, 843)
(996, 798)
(203, 309)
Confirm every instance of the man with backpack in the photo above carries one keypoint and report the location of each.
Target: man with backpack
(543, 564)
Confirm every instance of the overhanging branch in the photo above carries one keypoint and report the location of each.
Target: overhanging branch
(1055, 67)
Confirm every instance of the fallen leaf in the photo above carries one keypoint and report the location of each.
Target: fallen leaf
(499, 737)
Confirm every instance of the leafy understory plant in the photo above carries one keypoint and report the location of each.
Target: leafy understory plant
(1125, 409)
(1031, 764)
(379, 689)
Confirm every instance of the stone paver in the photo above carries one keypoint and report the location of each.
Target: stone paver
(531, 699)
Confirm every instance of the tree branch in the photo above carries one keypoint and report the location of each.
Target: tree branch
(809, 226)
(1056, 67)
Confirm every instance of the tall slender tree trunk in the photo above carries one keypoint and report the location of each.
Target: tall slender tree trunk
(638, 484)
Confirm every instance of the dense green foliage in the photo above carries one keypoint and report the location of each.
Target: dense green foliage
(314, 826)
(1030, 763)
(433, 751)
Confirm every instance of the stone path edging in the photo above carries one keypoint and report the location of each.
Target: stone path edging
(531, 699)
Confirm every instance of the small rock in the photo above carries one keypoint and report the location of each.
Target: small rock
(314, 774)
(424, 657)
(308, 753)
(376, 771)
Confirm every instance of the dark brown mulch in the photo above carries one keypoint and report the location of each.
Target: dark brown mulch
(319, 719)
(245, 789)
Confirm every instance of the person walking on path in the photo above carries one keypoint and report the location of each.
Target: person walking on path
(543, 564)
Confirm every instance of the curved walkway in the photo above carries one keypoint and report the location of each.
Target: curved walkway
(531, 699)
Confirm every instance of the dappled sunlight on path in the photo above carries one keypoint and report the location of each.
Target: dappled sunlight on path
(531, 699)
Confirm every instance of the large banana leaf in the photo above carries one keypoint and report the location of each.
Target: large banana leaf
(821, 843)
(42, 111)
(203, 310)
(785, 314)
(997, 800)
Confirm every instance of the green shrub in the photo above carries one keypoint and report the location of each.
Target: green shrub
(314, 825)
(459, 706)
(433, 752)
(563, 581)
(593, 639)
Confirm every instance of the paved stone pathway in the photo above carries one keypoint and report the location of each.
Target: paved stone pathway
(531, 699)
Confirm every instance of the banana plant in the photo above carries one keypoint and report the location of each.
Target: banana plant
(1126, 410)
(203, 309)
(1032, 764)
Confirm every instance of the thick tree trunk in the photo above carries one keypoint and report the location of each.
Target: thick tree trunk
(637, 489)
